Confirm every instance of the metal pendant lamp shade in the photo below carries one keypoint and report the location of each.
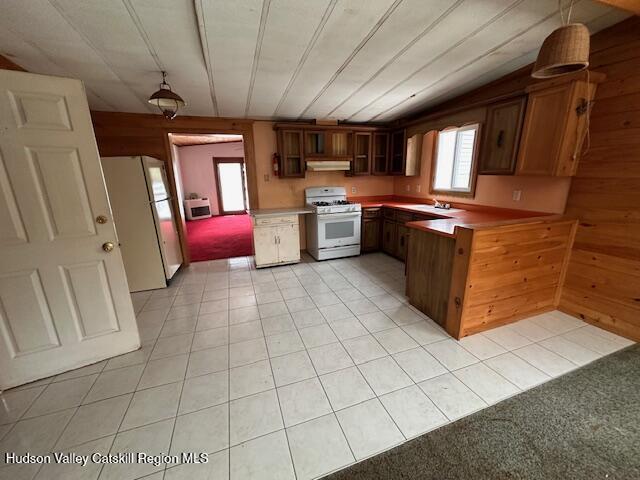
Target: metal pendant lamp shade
(166, 100)
(565, 51)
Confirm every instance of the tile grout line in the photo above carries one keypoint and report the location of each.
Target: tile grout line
(284, 423)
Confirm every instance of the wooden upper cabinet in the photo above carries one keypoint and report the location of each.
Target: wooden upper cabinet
(380, 153)
(501, 137)
(361, 164)
(327, 143)
(398, 152)
(315, 143)
(555, 126)
(340, 144)
(290, 146)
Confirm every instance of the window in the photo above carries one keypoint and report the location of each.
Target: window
(455, 157)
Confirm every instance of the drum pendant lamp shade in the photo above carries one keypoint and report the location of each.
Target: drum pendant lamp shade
(166, 100)
(565, 51)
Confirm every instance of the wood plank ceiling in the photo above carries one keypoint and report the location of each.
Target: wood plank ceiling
(353, 60)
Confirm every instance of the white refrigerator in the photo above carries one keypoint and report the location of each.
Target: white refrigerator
(144, 220)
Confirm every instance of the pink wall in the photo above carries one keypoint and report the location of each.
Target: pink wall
(196, 168)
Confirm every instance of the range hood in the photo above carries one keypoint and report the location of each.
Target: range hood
(328, 165)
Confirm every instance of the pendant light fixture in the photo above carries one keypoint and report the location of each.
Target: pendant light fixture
(565, 51)
(166, 100)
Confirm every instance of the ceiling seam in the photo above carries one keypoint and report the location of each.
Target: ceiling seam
(63, 14)
(143, 34)
(457, 44)
(266, 4)
(316, 34)
(353, 54)
(44, 54)
(489, 52)
(484, 55)
(204, 46)
(401, 52)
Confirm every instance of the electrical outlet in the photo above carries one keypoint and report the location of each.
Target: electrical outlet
(408, 188)
(517, 194)
(266, 177)
(354, 189)
(418, 188)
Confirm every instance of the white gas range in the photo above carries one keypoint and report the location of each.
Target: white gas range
(333, 230)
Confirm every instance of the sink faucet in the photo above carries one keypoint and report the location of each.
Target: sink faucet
(445, 206)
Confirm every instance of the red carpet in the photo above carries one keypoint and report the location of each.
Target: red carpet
(225, 236)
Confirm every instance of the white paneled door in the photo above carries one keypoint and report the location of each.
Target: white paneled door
(64, 299)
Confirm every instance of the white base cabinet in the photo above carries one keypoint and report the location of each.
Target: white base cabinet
(276, 240)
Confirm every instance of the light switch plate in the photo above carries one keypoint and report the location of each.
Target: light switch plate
(418, 187)
(354, 189)
(517, 194)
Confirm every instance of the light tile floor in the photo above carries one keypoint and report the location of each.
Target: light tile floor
(282, 373)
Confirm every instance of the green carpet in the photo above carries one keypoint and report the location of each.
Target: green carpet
(584, 425)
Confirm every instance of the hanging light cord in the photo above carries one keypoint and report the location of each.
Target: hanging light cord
(569, 11)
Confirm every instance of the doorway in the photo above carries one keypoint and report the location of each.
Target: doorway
(231, 185)
(211, 181)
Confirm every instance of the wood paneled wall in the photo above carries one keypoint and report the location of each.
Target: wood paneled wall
(514, 272)
(123, 134)
(603, 278)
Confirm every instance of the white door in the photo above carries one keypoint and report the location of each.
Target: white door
(64, 301)
(289, 242)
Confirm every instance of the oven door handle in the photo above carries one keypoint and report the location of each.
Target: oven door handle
(329, 216)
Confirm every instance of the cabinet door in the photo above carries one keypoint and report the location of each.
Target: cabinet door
(543, 130)
(339, 144)
(265, 246)
(361, 163)
(291, 155)
(402, 242)
(288, 243)
(397, 152)
(501, 138)
(380, 154)
(389, 230)
(315, 143)
(370, 235)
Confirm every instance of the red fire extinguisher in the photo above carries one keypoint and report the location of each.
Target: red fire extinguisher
(276, 163)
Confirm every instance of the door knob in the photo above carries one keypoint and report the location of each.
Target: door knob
(108, 246)
(101, 219)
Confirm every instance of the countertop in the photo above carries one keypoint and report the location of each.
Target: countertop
(476, 216)
(276, 212)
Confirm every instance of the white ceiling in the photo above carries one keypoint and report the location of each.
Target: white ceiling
(354, 60)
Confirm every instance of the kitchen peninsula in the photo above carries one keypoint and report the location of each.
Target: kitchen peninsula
(472, 267)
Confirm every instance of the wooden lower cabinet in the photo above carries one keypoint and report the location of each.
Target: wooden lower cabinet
(371, 233)
(485, 277)
(389, 232)
(429, 268)
(402, 242)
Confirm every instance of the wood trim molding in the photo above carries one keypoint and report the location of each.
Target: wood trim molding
(8, 64)
(121, 134)
(632, 6)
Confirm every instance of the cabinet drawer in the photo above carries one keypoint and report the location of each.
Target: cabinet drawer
(389, 213)
(266, 221)
(371, 213)
(404, 217)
